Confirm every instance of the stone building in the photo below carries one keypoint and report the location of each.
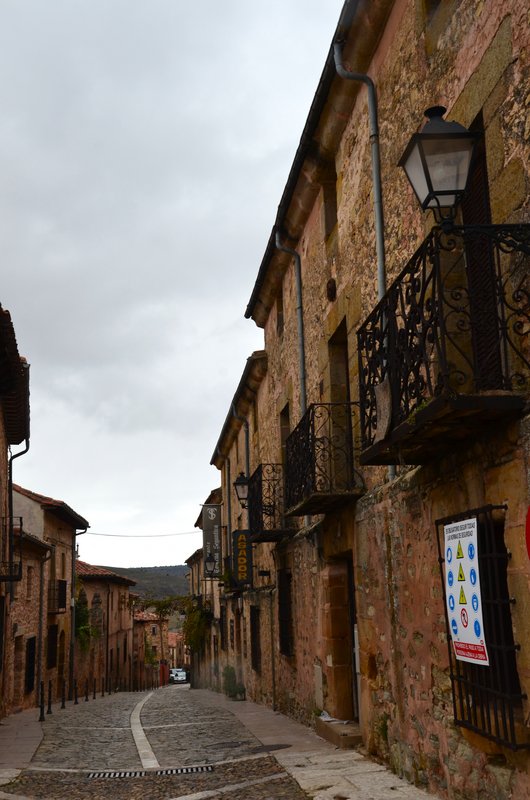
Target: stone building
(104, 628)
(14, 430)
(42, 648)
(384, 430)
(154, 630)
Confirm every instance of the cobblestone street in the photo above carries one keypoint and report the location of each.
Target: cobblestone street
(200, 751)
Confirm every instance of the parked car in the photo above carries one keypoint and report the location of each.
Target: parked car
(177, 675)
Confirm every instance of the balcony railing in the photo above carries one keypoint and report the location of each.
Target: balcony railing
(320, 471)
(447, 347)
(11, 550)
(57, 596)
(266, 504)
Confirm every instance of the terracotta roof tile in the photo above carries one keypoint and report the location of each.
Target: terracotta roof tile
(88, 571)
(59, 507)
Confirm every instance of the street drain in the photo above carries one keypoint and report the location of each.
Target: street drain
(143, 773)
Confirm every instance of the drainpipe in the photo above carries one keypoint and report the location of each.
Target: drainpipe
(273, 665)
(376, 176)
(25, 366)
(300, 320)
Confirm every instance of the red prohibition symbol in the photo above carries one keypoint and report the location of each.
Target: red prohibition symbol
(464, 618)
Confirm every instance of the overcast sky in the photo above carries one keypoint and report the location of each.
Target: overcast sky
(144, 148)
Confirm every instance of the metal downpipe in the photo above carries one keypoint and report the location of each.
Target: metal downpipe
(300, 320)
(376, 176)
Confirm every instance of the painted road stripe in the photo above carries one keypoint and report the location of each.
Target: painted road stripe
(147, 757)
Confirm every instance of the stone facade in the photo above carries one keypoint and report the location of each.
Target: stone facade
(14, 430)
(345, 611)
(42, 645)
(104, 623)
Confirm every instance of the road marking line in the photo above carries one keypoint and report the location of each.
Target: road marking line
(147, 757)
(232, 787)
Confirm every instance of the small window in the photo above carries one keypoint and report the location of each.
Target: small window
(153, 630)
(29, 582)
(31, 646)
(51, 646)
(232, 634)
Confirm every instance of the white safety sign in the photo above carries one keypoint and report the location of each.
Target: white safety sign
(462, 590)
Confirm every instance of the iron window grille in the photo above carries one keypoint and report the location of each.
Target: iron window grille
(255, 639)
(285, 611)
(266, 503)
(57, 600)
(488, 699)
(439, 332)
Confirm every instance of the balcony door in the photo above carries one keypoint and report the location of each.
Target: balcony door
(340, 449)
(480, 272)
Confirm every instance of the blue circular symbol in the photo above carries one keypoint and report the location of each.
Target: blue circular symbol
(449, 555)
(471, 551)
(477, 628)
(474, 602)
(450, 578)
(454, 627)
(451, 602)
(473, 577)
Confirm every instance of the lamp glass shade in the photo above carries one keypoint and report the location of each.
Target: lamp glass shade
(437, 161)
(241, 487)
(209, 564)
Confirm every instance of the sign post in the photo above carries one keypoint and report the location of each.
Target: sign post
(462, 591)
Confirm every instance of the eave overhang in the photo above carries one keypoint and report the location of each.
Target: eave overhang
(360, 27)
(253, 374)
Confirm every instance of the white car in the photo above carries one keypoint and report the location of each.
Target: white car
(177, 675)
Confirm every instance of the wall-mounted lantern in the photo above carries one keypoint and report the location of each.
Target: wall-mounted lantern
(437, 163)
(241, 488)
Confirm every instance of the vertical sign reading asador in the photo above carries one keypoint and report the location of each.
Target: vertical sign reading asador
(462, 590)
(211, 537)
(242, 557)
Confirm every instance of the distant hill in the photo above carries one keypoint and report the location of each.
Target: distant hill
(157, 582)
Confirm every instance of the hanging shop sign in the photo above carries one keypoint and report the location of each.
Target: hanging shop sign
(211, 538)
(462, 591)
(242, 557)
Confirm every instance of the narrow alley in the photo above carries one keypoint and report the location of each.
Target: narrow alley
(180, 744)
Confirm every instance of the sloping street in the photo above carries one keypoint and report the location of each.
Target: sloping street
(181, 744)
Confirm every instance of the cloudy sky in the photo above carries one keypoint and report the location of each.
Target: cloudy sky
(144, 147)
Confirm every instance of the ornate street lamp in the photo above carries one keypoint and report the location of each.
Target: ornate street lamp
(241, 487)
(437, 163)
(209, 565)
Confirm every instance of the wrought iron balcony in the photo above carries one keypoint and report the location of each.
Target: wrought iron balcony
(11, 550)
(57, 596)
(447, 348)
(320, 471)
(266, 504)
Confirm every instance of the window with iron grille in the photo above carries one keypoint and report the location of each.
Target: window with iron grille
(223, 628)
(285, 611)
(487, 699)
(255, 641)
(51, 649)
